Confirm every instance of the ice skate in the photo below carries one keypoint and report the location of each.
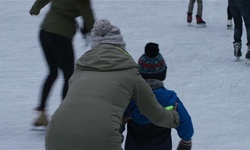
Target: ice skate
(237, 50)
(229, 24)
(189, 18)
(248, 55)
(200, 23)
(41, 120)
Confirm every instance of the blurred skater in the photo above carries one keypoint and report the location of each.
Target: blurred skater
(240, 10)
(200, 22)
(56, 34)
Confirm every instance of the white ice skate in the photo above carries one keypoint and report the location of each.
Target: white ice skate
(229, 24)
(247, 61)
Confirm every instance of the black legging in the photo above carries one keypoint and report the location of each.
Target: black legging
(229, 14)
(59, 53)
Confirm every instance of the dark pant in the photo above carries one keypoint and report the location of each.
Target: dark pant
(59, 54)
(147, 137)
(240, 9)
(229, 14)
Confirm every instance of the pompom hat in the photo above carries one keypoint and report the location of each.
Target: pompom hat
(151, 64)
(103, 32)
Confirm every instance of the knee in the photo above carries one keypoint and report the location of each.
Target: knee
(68, 74)
(237, 22)
(192, 1)
(199, 1)
(53, 74)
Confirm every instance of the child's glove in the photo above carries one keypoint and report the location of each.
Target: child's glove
(184, 145)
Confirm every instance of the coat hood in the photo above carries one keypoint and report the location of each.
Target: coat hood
(105, 57)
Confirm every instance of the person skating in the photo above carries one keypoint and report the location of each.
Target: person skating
(56, 34)
(199, 21)
(105, 80)
(240, 10)
(142, 134)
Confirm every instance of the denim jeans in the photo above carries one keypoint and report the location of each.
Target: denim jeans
(240, 9)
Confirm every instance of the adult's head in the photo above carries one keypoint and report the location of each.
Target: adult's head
(103, 32)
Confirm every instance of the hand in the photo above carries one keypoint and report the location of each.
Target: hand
(34, 11)
(184, 145)
(176, 105)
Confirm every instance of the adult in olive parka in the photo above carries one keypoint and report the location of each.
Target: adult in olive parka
(105, 79)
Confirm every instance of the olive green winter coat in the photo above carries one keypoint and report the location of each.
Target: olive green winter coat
(106, 78)
(62, 14)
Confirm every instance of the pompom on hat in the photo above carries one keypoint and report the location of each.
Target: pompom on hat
(151, 64)
(103, 32)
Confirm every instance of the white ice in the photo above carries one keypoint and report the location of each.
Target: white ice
(201, 68)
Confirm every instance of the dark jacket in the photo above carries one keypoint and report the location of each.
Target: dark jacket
(144, 135)
(61, 17)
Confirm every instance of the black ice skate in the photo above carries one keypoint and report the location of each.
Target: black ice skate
(200, 23)
(248, 55)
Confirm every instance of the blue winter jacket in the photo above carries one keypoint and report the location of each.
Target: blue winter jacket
(166, 98)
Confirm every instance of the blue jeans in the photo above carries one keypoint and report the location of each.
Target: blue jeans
(240, 9)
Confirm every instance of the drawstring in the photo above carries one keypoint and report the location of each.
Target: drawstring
(125, 52)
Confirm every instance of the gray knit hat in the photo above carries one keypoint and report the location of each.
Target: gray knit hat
(104, 32)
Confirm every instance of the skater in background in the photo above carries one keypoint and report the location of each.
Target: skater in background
(240, 9)
(229, 18)
(200, 22)
(56, 33)
(141, 133)
(105, 80)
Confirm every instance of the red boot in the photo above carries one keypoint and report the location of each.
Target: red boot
(200, 22)
(189, 17)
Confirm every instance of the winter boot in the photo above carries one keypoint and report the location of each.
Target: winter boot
(41, 120)
(237, 50)
(229, 24)
(248, 53)
(189, 17)
(201, 23)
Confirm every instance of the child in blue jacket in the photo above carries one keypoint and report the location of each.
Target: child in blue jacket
(141, 133)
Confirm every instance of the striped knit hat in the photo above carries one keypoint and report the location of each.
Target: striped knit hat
(151, 64)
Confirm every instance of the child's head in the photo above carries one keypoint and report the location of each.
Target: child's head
(151, 64)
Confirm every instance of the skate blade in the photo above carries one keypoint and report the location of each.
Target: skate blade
(247, 61)
(237, 58)
(39, 124)
(38, 128)
(201, 25)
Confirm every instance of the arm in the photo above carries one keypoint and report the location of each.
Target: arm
(87, 15)
(149, 107)
(185, 130)
(37, 6)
